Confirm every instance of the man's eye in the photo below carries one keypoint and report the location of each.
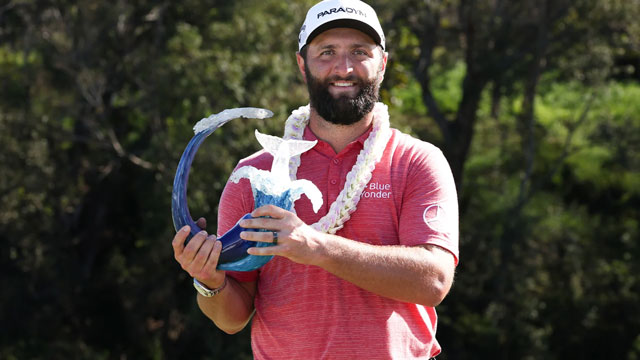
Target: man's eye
(327, 52)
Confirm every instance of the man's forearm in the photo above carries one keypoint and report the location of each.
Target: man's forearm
(418, 274)
(231, 309)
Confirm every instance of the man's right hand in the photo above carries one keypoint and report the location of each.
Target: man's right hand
(200, 257)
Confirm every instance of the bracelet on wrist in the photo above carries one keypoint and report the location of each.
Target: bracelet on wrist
(205, 291)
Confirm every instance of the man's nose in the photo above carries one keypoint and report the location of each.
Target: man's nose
(343, 65)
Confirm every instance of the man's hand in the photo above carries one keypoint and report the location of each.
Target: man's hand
(200, 257)
(297, 241)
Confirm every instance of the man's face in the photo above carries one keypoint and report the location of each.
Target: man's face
(343, 71)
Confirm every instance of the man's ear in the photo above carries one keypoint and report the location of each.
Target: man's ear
(383, 65)
(385, 57)
(300, 61)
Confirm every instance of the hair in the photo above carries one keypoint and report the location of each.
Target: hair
(303, 52)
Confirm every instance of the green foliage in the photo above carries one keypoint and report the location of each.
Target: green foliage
(98, 100)
(562, 244)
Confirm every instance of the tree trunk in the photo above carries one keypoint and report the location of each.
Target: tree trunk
(457, 147)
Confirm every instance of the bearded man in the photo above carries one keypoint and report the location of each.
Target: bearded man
(361, 278)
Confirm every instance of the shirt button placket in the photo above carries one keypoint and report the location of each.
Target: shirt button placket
(334, 179)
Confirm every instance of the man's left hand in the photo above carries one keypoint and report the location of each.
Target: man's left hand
(297, 241)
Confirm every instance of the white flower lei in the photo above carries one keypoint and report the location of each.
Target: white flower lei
(360, 174)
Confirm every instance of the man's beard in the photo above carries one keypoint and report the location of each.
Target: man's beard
(343, 110)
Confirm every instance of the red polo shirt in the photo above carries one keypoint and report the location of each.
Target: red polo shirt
(304, 312)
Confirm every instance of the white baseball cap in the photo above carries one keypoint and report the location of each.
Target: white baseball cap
(329, 14)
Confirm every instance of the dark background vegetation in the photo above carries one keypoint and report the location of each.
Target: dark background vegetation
(536, 104)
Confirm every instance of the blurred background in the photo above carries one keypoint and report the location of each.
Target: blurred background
(536, 105)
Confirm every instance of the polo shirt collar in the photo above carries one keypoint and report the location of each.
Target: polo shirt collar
(324, 146)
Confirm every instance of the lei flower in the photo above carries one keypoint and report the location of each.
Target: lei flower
(359, 175)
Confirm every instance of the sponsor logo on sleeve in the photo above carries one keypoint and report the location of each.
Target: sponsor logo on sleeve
(436, 218)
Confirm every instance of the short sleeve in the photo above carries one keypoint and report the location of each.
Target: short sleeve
(429, 211)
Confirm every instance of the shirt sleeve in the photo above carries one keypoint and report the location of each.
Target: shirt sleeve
(429, 211)
(235, 202)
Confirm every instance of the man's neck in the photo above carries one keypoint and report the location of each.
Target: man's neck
(338, 136)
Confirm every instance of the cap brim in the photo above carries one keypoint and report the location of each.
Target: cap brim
(345, 23)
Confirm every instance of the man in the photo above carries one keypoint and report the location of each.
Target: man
(359, 279)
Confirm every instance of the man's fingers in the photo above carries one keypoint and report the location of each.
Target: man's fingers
(202, 223)
(260, 236)
(212, 261)
(262, 251)
(192, 247)
(269, 210)
(261, 223)
(178, 240)
(202, 255)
